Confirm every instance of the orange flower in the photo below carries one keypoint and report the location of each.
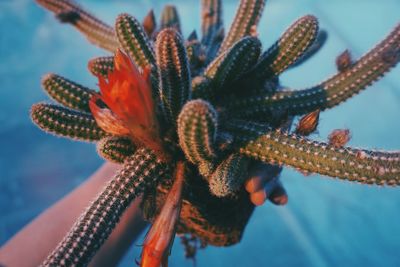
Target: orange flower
(131, 110)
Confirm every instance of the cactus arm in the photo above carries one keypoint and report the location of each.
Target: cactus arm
(229, 176)
(197, 131)
(93, 227)
(174, 73)
(96, 31)
(134, 40)
(65, 122)
(275, 146)
(245, 22)
(101, 66)
(233, 63)
(342, 86)
(292, 44)
(170, 18)
(211, 25)
(115, 149)
(67, 93)
(316, 46)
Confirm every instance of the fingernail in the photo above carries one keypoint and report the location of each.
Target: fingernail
(258, 198)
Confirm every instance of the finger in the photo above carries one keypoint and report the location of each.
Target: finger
(259, 175)
(258, 198)
(279, 195)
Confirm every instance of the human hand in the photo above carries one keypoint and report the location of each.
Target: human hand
(263, 183)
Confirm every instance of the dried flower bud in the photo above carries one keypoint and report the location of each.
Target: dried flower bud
(308, 123)
(339, 137)
(344, 61)
(149, 23)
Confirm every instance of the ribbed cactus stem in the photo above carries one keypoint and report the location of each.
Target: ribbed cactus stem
(313, 49)
(96, 31)
(65, 122)
(134, 40)
(174, 73)
(94, 226)
(197, 131)
(229, 176)
(342, 86)
(66, 92)
(233, 63)
(245, 22)
(275, 146)
(115, 149)
(101, 66)
(290, 47)
(170, 18)
(211, 24)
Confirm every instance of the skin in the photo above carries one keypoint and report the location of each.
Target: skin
(44, 232)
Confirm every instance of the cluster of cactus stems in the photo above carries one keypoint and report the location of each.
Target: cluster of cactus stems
(220, 107)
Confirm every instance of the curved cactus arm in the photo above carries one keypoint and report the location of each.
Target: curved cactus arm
(290, 47)
(67, 93)
(197, 131)
(115, 149)
(211, 25)
(275, 146)
(229, 176)
(245, 22)
(174, 73)
(170, 18)
(96, 31)
(134, 40)
(140, 171)
(202, 88)
(316, 46)
(233, 63)
(342, 86)
(101, 66)
(65, 122)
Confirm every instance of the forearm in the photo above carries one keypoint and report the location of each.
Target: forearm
(32, 244)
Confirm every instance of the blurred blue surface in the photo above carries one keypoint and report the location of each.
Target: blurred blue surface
(326, 223)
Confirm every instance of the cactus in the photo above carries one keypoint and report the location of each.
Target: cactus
(170, 18)
(67, 93)
(65, 122)
(140, 170)
(217, 115)
(101, 66)
(115, 149)
(174, 73)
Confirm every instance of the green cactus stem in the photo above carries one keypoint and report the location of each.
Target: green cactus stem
(67, 93)
(93, 227)
(211, 25)
(313, 49)
(101, 66)
(290, 47)
(134, 40)
(229, 176)
(368, 69)
(65, 122)
(174, 73)
(233, 63)
(197, 131)
(96, 31)
(275, 146)
(245, 22)
(170, 18)
(115, 149)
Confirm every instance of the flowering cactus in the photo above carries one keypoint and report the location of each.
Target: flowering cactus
(210, 106)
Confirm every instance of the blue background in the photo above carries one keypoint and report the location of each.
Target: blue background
(326, 223)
